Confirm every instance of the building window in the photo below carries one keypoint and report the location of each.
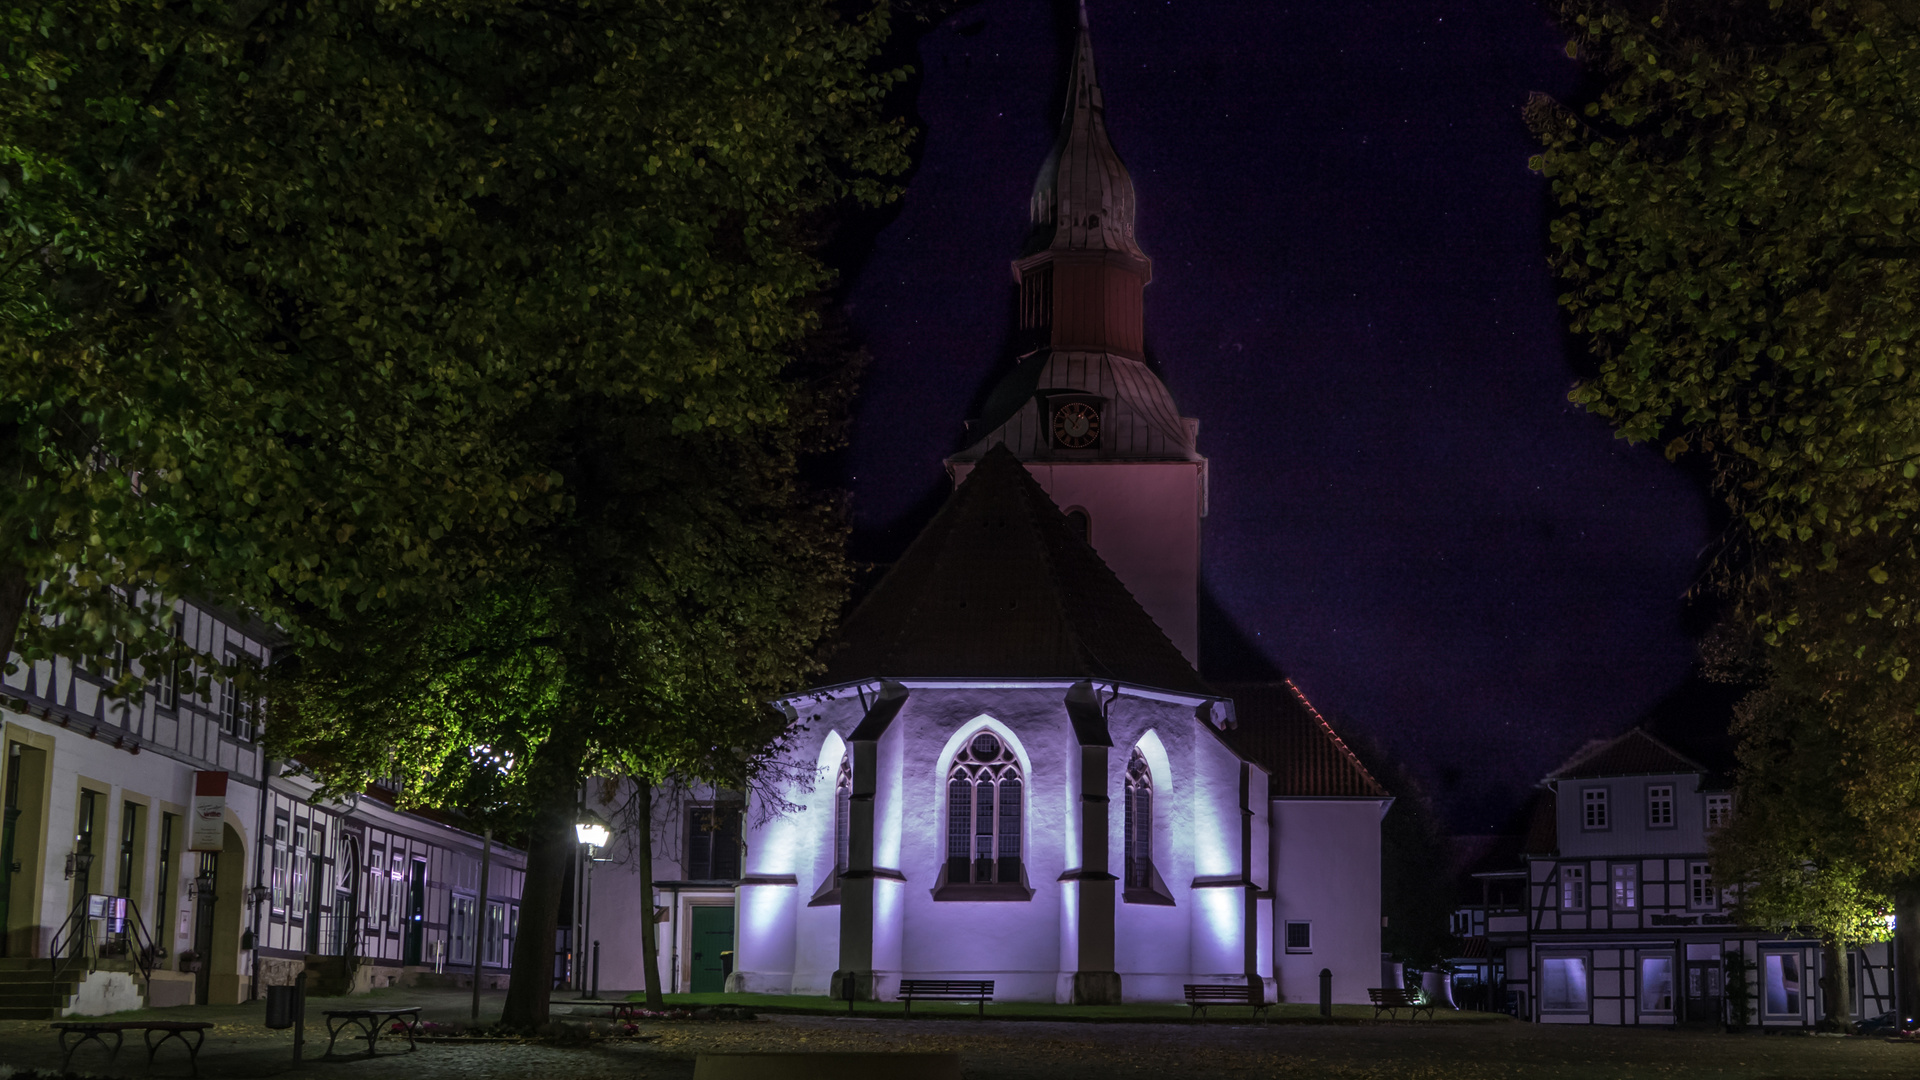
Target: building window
(1719, 809)
(1700, 894)
(460, 929)
(1593, 804)
(83, 839)
(167, 677)
(496, 951)
(1656, 984)
(983, 813)
(1626, 887)
(1782, 974)
(163, 896)
(229, 707)
(842, 811)
(1573, 888)
(1660, 806)
(129, 838)
(1563, 984)
(1299, 937)
(1139, 823)
(1080, 524)
(713, 842)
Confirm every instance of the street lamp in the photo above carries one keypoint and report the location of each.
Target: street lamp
(592, 831)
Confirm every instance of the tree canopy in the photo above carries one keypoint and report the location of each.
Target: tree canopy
(293, 292)
(1737, 226)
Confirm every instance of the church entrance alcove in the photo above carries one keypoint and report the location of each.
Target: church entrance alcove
(712, 948)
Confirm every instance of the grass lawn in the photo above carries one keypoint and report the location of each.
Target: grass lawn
(1037, 1010)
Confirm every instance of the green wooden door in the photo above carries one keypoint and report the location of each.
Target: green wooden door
(712, 936)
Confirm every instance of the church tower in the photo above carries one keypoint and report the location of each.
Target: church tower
(1081, 409)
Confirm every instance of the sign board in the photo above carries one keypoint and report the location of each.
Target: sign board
(209, 810)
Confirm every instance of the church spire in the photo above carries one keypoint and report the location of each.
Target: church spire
(1083, 197)
(1081, 273)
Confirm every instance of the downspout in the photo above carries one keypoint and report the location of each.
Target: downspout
(259, 864)
(1250, 903)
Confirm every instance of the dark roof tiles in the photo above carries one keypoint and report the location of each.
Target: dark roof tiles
(1635, 753)
(1281, 731)
(998, 586)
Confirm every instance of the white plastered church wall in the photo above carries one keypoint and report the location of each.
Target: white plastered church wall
(1327, 852)
(1028, 947)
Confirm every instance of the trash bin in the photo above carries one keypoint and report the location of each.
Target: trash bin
(279, 1006)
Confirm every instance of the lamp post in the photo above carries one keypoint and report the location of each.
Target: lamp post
(592, 832)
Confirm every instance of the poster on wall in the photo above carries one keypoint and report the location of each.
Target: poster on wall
(209, 809)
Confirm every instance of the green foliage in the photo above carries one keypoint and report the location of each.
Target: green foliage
(1738, 204)
(690, 585)
(1737, 237)
(293, 297)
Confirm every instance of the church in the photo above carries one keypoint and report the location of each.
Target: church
(1012, 768)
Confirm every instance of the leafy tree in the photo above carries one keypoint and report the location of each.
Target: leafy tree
(689, 584)
(1736, 233)
(1797, 859)
(291, 294)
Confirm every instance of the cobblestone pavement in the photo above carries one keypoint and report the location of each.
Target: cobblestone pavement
(240, 1046)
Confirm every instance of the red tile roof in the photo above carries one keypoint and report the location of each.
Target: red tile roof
(998, 586)
(1280, 730)
(1634, 754)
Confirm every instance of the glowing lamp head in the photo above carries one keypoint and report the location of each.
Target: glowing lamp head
(592, 830)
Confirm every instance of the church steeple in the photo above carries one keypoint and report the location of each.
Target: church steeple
(1082, 272)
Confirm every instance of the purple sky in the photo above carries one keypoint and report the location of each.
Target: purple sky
(1351, 293)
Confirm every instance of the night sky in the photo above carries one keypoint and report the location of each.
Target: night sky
(1351, 293)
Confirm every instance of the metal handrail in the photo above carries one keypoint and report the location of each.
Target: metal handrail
(145, 953)
(82, 942)
(74, 929)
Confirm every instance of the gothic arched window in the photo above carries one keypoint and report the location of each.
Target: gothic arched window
(842, 806)
(983, 813)
(1139, 822)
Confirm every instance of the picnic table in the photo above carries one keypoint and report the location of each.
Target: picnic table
(371, 1021)
(92, 1030)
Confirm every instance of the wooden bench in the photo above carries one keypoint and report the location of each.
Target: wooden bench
(1391, 999)
(980, 991)
(370, 1021)
(92, 1030)
(1201, 995)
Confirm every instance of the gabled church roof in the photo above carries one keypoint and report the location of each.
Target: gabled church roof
(1280, 730)
(998, 586)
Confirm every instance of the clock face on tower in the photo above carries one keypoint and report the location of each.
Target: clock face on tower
(1076, 426)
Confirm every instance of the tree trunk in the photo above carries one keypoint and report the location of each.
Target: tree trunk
(1836, 988)
(650, 938)
(549, 856)
(13, 607)
(1906, 952)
